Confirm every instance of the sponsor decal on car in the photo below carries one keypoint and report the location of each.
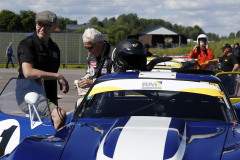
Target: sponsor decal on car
(155, 84)
(152, 85)
(93, 64)
(9, 135)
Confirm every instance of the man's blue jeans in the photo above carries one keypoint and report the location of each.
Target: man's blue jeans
(9, 60)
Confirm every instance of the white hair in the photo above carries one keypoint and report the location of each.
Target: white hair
(92, 35)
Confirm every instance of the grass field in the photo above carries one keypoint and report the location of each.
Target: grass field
(214, 46)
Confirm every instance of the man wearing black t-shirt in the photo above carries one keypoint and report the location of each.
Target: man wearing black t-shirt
(229, 63)
(39, 58)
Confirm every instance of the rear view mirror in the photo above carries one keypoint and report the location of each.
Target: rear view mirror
(31, 99)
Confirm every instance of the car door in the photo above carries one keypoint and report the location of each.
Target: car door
(231, 82)
(23, 112)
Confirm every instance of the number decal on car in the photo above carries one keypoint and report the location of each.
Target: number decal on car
(9, 135)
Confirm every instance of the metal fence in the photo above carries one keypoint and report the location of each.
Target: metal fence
(70, 44)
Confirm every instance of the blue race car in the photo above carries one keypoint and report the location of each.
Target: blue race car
(143, 115)
(23, 112)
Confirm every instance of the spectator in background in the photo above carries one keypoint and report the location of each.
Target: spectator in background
(229, 63)
(236, 52)
(148, 53)
(9, 54)
(202, 51)
(236, 45)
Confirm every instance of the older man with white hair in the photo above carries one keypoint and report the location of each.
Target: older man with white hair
(99, 61)
(99, 58)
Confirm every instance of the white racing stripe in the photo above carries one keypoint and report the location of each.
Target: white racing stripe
(181, 150)
(141, 138)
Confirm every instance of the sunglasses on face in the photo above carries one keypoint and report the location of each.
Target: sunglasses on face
(90, 47)
(45, 25)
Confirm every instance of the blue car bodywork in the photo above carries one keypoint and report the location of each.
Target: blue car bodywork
(15, 121)
(143, 115)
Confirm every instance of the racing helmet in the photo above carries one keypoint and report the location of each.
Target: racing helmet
(202, 36)
(130, 54)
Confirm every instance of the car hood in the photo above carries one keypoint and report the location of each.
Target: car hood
(129, 138)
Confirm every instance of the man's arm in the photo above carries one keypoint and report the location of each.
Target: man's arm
(235, 68)
(193, 53)
(31, 73)
(213, 61)
(6, 52)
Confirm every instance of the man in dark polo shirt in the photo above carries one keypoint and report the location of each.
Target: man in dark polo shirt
(229, 63)
(39, 58)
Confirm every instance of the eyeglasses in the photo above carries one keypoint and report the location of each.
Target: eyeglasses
(91, 47)
(45, 25)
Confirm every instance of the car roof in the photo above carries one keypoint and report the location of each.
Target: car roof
(162, 75)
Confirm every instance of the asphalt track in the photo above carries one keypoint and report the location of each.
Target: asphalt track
(67, 101)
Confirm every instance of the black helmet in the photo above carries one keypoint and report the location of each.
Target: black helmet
(130, 55)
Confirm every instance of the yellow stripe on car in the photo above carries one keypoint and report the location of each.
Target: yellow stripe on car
(103, 89)
(205, 91)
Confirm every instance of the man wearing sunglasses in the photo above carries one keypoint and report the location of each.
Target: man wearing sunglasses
(39, 58)
(99, 58)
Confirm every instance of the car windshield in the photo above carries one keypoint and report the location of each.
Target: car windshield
(12, 100)
(180, 99)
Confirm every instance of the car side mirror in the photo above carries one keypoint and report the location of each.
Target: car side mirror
(31, 99)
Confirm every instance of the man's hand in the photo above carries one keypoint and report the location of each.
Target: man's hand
(63, 83)
(86, 83)
(206, 45)
(195, 47)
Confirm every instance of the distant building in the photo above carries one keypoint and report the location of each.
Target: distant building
(75, 27)
(190, 40)
(162, 37)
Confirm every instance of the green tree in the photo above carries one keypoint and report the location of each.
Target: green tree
(212, 37)
(68, 21)
(93, 21)
(198, 30)
(9, 21)
(28, 20)
(100, 24)
(238, 34)
(111, 22)
(62, 22)
(187, 32)
(178, 28)
(117, 34)
(105, 22)
(231, 35)
(16, 24)
(168, 25)
(192, 32)
(129, 21)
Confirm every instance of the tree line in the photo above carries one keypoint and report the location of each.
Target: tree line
(25, 21)
(116, 28)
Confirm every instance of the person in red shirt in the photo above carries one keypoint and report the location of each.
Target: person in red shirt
(202, 51)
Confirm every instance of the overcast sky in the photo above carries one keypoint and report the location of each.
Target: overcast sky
(216, 16)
